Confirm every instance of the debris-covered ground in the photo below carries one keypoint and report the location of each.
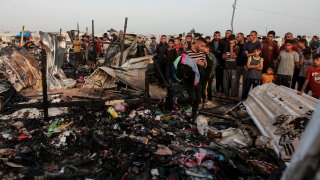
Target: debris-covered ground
(118, 122)
(137, 141)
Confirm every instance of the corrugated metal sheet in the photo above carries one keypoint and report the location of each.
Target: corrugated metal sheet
(131, 73)
(305, 161)
(268, 101)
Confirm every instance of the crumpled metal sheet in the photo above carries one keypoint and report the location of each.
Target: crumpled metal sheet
(131, 73)
(55, 50)
(114, 52)
(23, 71)
(20, 68)
(268, 101)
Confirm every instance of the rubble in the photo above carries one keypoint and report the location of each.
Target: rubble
(137, 132)
(22, 68)
(280, 114)
(88, 142)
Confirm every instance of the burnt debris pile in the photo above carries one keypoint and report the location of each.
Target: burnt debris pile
(136, 141)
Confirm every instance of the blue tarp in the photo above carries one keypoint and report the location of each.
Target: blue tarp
(25, 34)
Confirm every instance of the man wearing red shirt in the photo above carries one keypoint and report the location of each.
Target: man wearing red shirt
(313, 78)
(269, 52)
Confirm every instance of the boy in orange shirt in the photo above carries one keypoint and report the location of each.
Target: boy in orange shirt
(268, 77)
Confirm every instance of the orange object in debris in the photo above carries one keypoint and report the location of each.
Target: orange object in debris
(65, 126)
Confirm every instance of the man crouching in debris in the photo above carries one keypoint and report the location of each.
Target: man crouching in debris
(188, 67)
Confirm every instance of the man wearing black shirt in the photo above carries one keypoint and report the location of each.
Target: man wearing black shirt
(171, 55)
(230, 68)
(249, 48)
(241, 60)
(252, 44)
(216, 49)
(160, 55)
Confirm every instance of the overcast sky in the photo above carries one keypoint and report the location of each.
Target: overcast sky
(163, 16)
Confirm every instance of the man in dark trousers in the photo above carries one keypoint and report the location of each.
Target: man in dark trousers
(189, 69)
(217, 49)
(160, 56)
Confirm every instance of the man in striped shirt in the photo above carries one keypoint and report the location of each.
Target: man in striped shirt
(198, 55)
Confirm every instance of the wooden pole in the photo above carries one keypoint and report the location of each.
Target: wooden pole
(78, 29)
(44, 85)
(22, 34)
(93, 42)
(123, 39)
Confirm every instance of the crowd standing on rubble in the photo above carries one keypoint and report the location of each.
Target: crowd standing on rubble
(138, 138)
(254, 59)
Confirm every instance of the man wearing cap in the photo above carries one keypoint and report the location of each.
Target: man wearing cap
(152, 46)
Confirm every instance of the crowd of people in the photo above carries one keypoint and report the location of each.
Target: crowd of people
(196, 61)
(86, 51)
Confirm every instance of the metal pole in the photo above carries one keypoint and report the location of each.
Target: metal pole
(93, 42)
(234, 9)
(22, 34)
(78, 29)
(123, 39)
(44, 84)
(60, 31)
(266, 31)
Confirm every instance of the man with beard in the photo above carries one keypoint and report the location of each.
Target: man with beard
(270, 51)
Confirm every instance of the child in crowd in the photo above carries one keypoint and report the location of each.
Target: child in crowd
(268, 77)
(254, 74)
(306, 63)
(313, 78)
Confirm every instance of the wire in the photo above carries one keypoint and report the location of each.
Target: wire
(280, 13)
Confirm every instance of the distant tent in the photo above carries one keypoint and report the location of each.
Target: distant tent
(25, 34)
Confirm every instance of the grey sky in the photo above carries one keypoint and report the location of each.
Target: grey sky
(162, 16)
